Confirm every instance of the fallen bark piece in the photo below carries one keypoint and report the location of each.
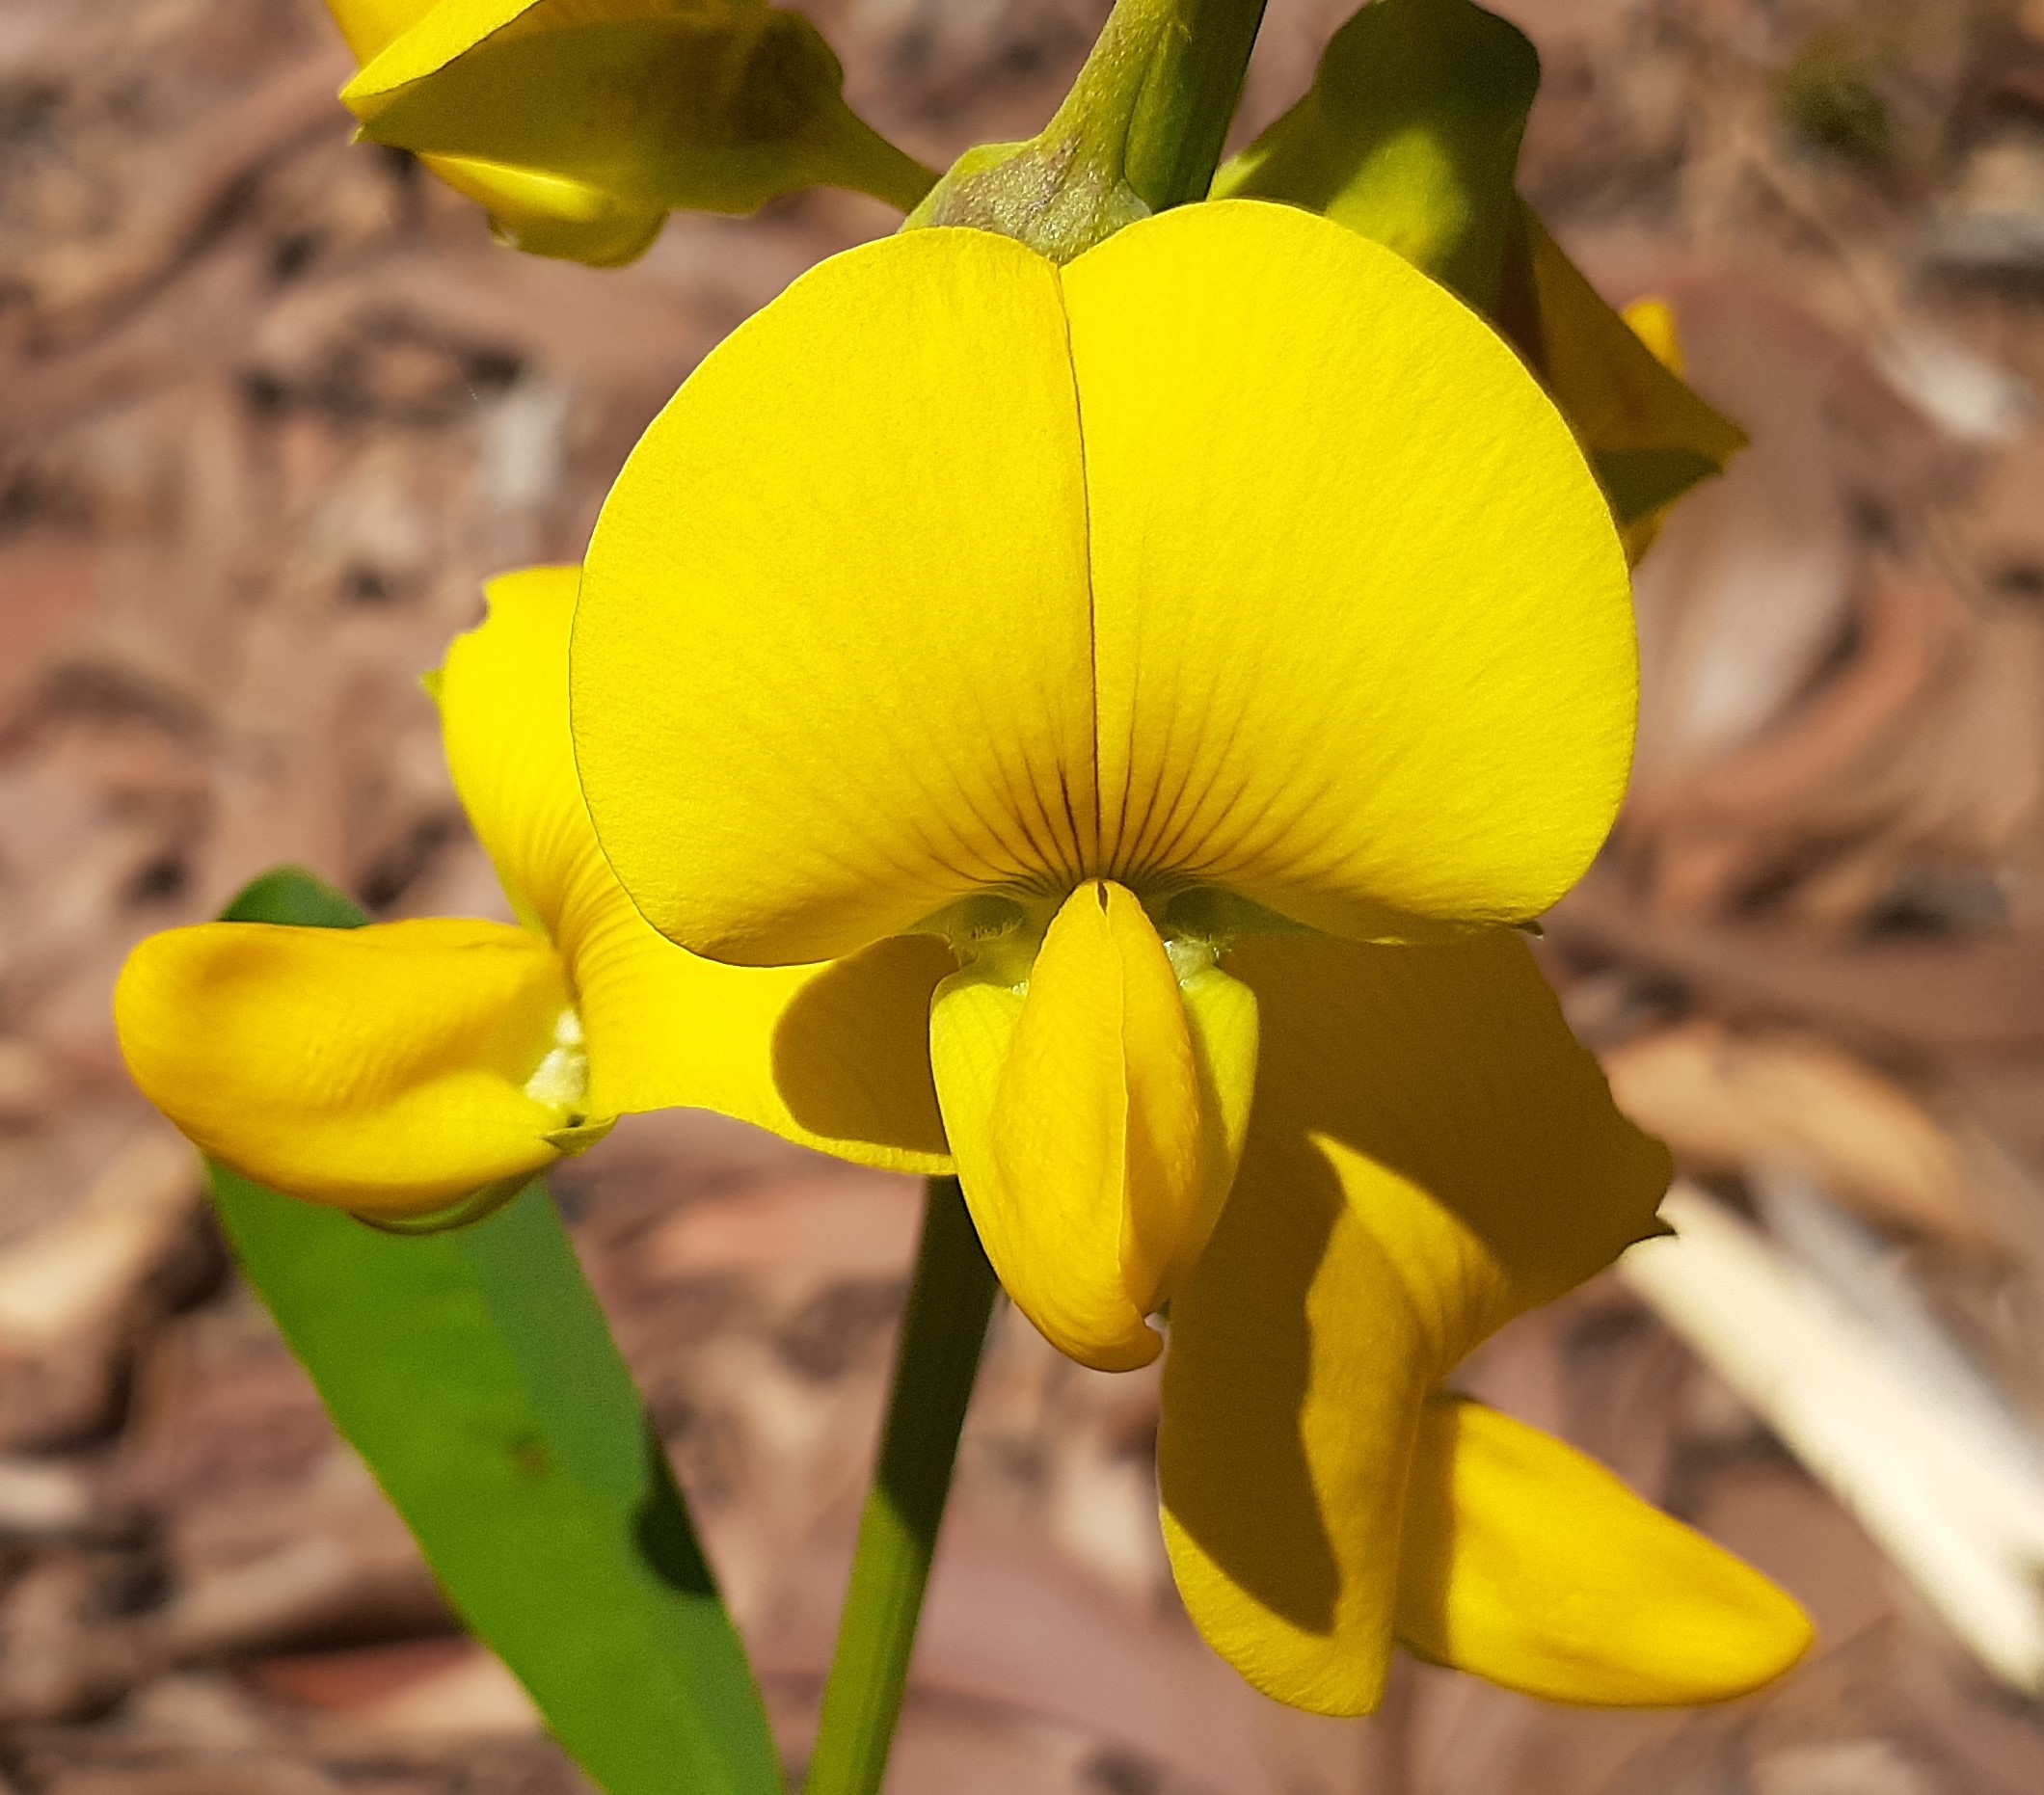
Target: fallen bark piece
(74, 1291)
(1725, 1101)
(44, 1502)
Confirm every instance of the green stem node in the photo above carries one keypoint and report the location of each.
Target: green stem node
(942, 1331)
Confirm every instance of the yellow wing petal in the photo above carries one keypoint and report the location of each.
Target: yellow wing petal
(384, 1070)
(1362, 631)
(1086, 1115)
(368, 25)
(834, 1057)
(1430, 1153)
(831, 665)
(1532, 1566)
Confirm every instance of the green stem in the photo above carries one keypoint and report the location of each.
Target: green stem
(1200, 51)
(942, 1332)
(1141, 131)
(874, 165)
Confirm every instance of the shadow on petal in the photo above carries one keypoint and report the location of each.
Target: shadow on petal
(852, 1051)
(1430, 1153)
(1245, 1346)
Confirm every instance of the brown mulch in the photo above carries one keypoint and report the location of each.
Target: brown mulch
(270, 407)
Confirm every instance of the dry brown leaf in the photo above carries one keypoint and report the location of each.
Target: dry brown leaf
(1728, 1101)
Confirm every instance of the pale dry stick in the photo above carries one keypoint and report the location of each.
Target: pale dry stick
(40, 1500)
(1911, 1438)
(78, 1271)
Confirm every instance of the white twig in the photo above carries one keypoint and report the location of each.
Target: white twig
(1872, 1396)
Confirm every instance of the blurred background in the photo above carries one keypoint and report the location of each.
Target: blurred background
(271, 404)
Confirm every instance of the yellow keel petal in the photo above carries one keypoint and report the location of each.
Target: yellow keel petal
(1091, 1157)
(1531, 1564)
(386, 1070)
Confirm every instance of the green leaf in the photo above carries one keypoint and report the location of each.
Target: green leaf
(474, 1372)
(293, 895)
(1409, 135)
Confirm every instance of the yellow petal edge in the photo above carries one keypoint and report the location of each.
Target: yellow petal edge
(1531, 1564)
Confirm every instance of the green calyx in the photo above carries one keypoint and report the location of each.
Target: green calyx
(1141, 131)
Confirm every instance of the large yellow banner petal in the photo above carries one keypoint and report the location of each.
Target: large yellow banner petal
(831, 667)
(1363, 628)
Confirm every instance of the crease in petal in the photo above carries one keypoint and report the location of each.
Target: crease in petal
(1531, 1565)
(1430, 1153)
(832, 1057)
(854, 545)
(1362, 625)
(386, 1070)
(1086, 1116)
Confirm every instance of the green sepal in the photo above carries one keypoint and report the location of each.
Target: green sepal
(575, 123)
(1140, 132)
(1648, 436)
(474, 1372)
(1409, 135)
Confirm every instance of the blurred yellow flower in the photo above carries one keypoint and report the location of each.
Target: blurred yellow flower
(581, 123)
(1219, 642)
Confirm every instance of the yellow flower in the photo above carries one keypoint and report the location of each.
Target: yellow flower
(1220, 642)
(581, 123)
(399, 1069)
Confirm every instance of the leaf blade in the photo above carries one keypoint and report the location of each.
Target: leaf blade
(475, 1374)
